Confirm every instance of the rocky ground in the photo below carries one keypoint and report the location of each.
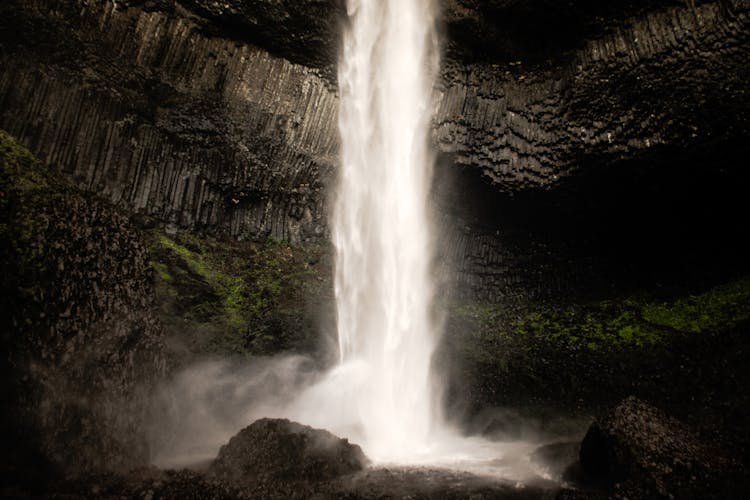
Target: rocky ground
(634, 451)
(282, 459)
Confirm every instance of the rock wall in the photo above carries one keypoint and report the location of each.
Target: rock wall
(659, 80)
(220, 117)
(589, 140)
(81, 344)
(151, 111)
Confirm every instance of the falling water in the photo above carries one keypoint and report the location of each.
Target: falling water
(380, 395)
(380, 224)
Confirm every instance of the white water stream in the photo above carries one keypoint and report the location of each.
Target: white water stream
(380, 223)
(381, 394)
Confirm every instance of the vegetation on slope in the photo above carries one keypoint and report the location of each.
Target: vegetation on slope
(636, 321)
(26, 188)
(592, 354)
(240, 297)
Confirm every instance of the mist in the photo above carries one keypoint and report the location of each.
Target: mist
(198, 410)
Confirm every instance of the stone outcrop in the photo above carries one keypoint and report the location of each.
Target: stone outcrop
(273, 451)
(81, 344)
(305, 32)
(656, 81)
(642, 453)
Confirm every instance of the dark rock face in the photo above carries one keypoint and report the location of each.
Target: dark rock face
(277, 450)
(152, 109)
(506, 30)
(533, 91)
(644, 453)
(81, 342)
(221, 116)
(557, 457)
(658, 81)
(305, 32)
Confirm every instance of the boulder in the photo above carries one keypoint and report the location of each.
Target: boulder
(277, 450)
(82, 345)
(557, 458)
(640, 452)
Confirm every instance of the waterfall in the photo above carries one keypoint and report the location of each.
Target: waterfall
(380, 394)
(380, 224)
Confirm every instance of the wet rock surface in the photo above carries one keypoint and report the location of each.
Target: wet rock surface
(145, 483)
(429, 483)
(587, 150)
(275, 458)
(557, 458)
(640, 452)
(81, 344)
(370, 484)
(277, 450)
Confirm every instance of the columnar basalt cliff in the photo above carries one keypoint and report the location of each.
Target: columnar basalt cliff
(226, 123)
(151, 110)
(657, 81)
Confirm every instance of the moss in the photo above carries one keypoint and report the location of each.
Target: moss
(485, 315)
(719, 308)
(603, 325)
(20, 171)
(241, 288)
(162, 271)
(227, 287)
(636, 321)
(28, 191)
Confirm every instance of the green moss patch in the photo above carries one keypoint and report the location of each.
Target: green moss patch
(716, 309)
(28, 191)
(20, 171)
(227, 287)
(635, 321)
(248, 295)
(590, 353)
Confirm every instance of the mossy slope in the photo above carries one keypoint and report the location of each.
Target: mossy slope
(636, 321)
(241, 297)
(684, 350)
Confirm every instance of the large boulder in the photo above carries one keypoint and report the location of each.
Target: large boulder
(81, 345)
(640, 452)
(271, 451)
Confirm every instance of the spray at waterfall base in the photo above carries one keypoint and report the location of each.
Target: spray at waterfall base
(381, 395)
